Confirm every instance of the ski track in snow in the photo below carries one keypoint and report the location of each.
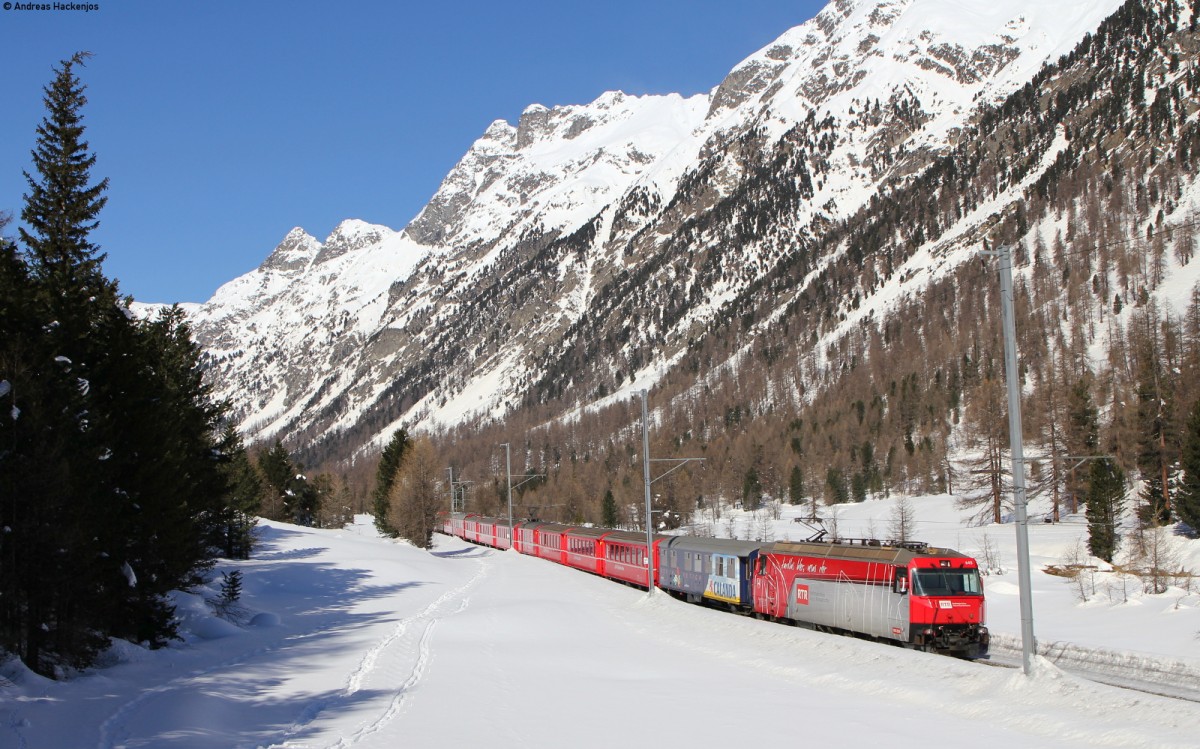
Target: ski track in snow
(393, 645)
(113, 731)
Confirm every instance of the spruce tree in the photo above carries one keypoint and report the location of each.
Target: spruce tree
(796, 486)
(385, 475)
(245, 497)
(64, 567)
(1105, 503)
(751, 489)
(113, 444)
(609, 510)
(1082, 433)
(277, 471)
(1187, 496)
(1157, 448)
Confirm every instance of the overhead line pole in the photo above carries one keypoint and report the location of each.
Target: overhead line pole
(1028, 642)
(649, 520)
(646, 477)
(508, 472)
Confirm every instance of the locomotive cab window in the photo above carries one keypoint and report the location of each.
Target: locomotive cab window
(947, 582)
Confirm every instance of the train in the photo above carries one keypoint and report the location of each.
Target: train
(904, 593)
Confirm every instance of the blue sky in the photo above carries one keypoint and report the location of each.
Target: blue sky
(222, 124)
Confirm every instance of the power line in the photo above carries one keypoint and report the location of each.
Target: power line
(1113, 243)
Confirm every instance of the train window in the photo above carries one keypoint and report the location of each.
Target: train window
(946, 582)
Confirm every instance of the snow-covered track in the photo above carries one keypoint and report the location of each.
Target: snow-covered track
(1163, 677)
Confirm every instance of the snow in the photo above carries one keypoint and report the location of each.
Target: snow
(345, 639)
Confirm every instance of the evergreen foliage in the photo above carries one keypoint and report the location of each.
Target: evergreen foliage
(245, 497)
(609, 518)
(1157, 435)
(796, 486)
(231, 587)
(385, 476)
(752, 489)
(292, 497)
(1105, 503)
(1082, 433)
(1187, 497)
(113, 494)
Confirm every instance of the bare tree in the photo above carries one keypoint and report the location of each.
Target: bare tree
(416, 495)
(903, 521)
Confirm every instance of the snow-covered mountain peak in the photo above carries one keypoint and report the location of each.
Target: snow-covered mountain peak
(295, 252)
(350, 235)
(961, 52)
(563, 162)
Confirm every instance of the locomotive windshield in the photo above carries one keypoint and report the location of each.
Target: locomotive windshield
(946, 582)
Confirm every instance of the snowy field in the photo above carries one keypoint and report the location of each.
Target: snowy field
(345, 639)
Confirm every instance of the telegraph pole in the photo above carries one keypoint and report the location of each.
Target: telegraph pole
(1028, 643)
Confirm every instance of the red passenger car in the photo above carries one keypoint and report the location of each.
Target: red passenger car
(549, 541)
(624, 556)
(583, 548)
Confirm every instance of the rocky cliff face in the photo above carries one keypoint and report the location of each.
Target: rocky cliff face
(582, 251)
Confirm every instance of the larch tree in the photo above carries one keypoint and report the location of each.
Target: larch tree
(415, 495)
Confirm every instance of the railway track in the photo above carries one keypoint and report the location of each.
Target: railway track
(1162, 677)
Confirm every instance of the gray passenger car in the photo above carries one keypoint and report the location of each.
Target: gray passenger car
(716, 569)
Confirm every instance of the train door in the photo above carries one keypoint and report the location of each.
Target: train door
(766, 588)
(897, 613)
(850, 602)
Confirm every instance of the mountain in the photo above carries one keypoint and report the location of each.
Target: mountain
(753, 246)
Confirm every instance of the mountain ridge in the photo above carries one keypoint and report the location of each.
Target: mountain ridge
(602, 212)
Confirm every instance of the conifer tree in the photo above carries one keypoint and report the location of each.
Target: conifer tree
(389, 464)
(796, 486)
(62, 566)
(1155, 403)
(609, 509)
(1187, 497)
(1082, 434)
(113, 432)
(1105, 502)
(245, 497)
